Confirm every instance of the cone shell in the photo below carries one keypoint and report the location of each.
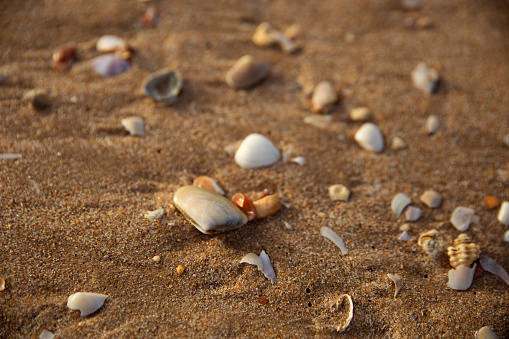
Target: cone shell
(267, 206)
(370, 137)
(432, 242)
(247, 72)
(256, 151)
(208, 211)
(464, 252)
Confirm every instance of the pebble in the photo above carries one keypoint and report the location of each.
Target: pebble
(65, 56)
(492, 202)
(110, 65)
(156, 258)
(413, 213)
(109, 43)
(164, 86)
(425, 78)
(503, 213)
(324, 97)
(432, 124)
(134, 125)
(247, 73)
(462, 217)
(398, 143)
(38, 99)
(431, 198)
(266, 36)
(339, 192)
(180, 269)
(370, 137)
(360, 114)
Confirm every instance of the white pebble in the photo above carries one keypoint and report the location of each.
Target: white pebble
(462, 217)
(370, 137)
(86, 303)
(503, 213)
(432, 124)
(339, 192)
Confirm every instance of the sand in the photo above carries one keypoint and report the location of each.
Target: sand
(71, 209)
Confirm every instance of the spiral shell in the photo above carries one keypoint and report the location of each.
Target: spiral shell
(209, 212)
(464, 252)
(432, 242)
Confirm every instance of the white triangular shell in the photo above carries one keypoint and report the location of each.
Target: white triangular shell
(370, 137)
(461, 218)
(399, 202)
(134, 125)
(86, 303)
(256, 151)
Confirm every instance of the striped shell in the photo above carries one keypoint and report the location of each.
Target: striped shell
(464, 252)
(209, 212)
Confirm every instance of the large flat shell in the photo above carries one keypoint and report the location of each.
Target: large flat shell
(503, 213)
(370, 137)
(399, 202)
(462, 217)
(86, 303)
(256, 151)
(164, 86)
(247, 72)
(209, 211)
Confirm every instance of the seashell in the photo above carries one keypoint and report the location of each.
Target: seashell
(38, 99)
(252, 259)
(180, 269)
(493, 267)
(256, 151)
(464, 252)
(293, 32)
(245, 204)
(46, 335)
(405, 227)
(370, 137)
(461, 278)
(149, 18)
(163, 86)
(486, 332)
(208, 211)
(320, 121)
(247, 73)
(86, 303)
(425, 78)
(399, 202)
(432, 124)
(413, 213)
(398, 143)
(492, 202)
(268, 270)
(157, 258)
(65, 56)
(109, 43)
(2, 284)
(324, 96)
(154, 215)
(331, 235)
(397, 282)
(266, 36)
(411, 5)
(462, 217)
(432, 242)
(339, 192)
(134, 125)
(208, 183)
(266, 206)
(298, 160)
(360, 114)
(110, 65)
(405, 236)
(337, 304)
(506, 137)
(431, 198)
(503, 213)
(10, 156)
(506, 236)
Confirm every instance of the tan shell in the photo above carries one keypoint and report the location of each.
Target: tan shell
(267, 206)
(208, 183)
(464, 252)
(247, 73)
(432, 242)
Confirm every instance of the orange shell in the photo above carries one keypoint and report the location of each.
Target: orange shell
(491, 202)
(267, 206)
(245, 204)
(208, 183)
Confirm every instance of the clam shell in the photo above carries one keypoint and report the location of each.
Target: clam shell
(110, 65)
(109, 43)
(399, 202)
(164, 86)
(462, 217)
(370, 137)
(324, 96)
(256, 151)
(431, 198)
(464, 252)
(503, 213)
(425, 78)
(247, 72)
(208, 211)
(134, 125)
(86, 303)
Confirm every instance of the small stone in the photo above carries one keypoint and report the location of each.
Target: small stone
(180, 269)
(247, 73)
(492, 202)
(339, 192)
(503, 213)
(38, 99)
(431, 198)
(398, 143)
(154, 215)
(156, 258)
(405, 236)
(360, 114)
(413, 213)
(432, 124)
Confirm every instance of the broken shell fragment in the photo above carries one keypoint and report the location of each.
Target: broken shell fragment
(267, 206)
(425, 78)
(486, 332)
(370, 137)
(431, 198)
(208, 211)
(267, 270)
(164, 86)
(109, 43)
(46, 335)
(413, 213)
(506, 236)
(252, 259)
(134, 125)
(266, 36)
(493, 267)
(154, 215)
(86, 303)
(108, 65)
(464, 252)
(397, 282)
(65, 56)
(208, 183)
(432, 242)
(432, 124)
(256, 151)
(331, 235)
(247, 73)
(337, 304)
(462, 217)
(398, 143)
(491, 202)
(405, 236)
(317, 120)
(461, 278)
(245, 204)
(503, 213)
(324, 96)
(360, 114)
(399, 202)
(339, 192)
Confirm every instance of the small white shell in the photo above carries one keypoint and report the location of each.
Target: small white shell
(298, 160)
(360, 114)
(503, 213)
(109, 43)
(398, 143)
(324, 96)
(405, 236)
(432, 124)
(46, 335)
(339, 192)
(399, 202)
(413, 213)
(461, 278)
(486, 332)
(425, 78)
(86, 303)
(431, 198)
(397, 282)
(331, 235)
(337, 304)
(256, 151)
(492, 266)
(252, 259)
(370, 137)
(134, 125)
(461, 218)
(268, 270)
(506, 236)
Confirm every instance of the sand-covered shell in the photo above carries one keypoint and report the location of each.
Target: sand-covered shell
(462, 217)
(134, 125)
(432, 242)
(425, 78)
(108, 65)
(399, 202)
(247, 73)
(208, 183)
(164, 86)
(464, 252)
(324, 96)
(256, 151)
(431, 198)
(370, 137)
(109, 43)
(267, 206)
(86, 303)
(503, 213)
(208, 211)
